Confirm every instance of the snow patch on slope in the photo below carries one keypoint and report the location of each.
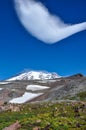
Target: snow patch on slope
(36, 87)
(25, 97)
(1, 89)
(4, 82)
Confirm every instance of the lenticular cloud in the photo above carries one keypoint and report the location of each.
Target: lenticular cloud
(46, 27)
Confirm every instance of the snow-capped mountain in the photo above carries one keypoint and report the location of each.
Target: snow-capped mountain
(34, 75)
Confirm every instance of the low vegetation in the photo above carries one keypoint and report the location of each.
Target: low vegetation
(47, 116)
(82, 95)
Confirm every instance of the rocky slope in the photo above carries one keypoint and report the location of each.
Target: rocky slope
(22, 91)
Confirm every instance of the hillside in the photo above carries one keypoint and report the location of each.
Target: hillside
(49, 104)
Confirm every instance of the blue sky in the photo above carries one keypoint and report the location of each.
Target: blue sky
(19, 50)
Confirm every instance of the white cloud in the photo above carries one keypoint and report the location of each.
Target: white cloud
(37, 20)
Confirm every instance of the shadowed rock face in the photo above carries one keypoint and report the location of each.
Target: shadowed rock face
(59, 89)
(77, 76)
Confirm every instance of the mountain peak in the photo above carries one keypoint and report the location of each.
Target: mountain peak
(34, 75)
